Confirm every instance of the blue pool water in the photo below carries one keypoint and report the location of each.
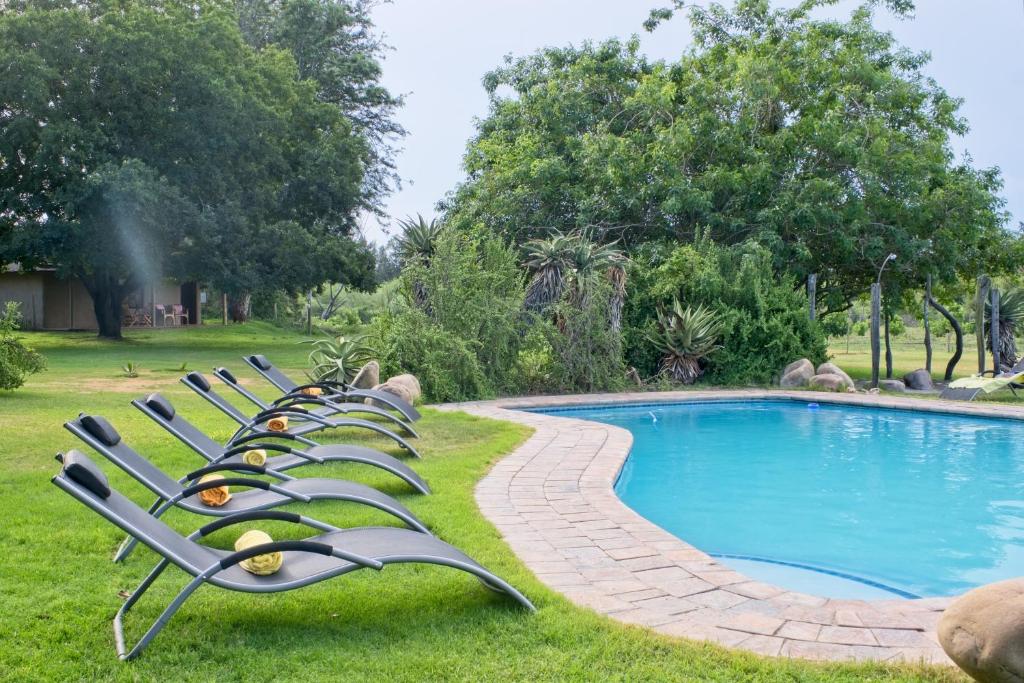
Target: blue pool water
(835, 500)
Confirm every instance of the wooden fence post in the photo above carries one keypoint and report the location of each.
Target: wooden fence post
(876, 308)
(994, 333)
(812, 295)
(927, 327)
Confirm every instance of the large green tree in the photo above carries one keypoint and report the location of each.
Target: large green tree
(139, 139)
(822, 140)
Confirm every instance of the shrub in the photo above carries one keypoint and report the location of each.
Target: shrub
(685, 337)
(338, 359)
(764, 317)
(16, 360)
(586, 347)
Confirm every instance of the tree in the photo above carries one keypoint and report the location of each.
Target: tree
(139, 140)
(823, 141)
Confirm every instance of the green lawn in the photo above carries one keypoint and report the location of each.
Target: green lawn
(907, 352)
(59, 590)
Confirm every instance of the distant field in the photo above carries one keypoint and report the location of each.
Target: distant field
(907, 353)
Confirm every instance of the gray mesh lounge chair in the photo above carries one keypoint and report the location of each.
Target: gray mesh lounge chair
(336, 390)
(306, 421)
(161, 411)
(326, 408)
(332, 553)
(101, 435)
(968, 388)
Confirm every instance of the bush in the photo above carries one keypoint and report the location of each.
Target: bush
(764, 317)
(462, 336)
(16, 360)
(586, 350)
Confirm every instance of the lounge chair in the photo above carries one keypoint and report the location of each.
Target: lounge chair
(101, 435)
(968, 388)
(161, 411)
(327, 407)
(337, 391)
(306, 422)
(332, 553)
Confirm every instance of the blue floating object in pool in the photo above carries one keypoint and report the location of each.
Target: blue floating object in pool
(812, 406)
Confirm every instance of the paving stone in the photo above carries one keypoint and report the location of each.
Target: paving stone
(846, 635)
(799, 630)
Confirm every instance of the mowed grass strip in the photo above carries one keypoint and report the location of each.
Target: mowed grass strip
(59, 589)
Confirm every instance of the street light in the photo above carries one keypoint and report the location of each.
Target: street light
(876, 314)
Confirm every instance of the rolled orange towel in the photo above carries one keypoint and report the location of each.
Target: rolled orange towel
(214, 497)
(261, 565)
(256, 456)
(278, 424)
(313, 391)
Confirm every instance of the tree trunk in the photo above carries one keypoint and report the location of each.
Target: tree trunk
(107, 296)
(238, 307)
(959, 337)
(927, 327)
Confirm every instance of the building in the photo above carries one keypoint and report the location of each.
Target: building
(52, 303)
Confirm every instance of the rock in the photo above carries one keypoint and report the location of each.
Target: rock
(983, 632)
(409, 382)
(368, 376)
(797, 374)
(892, 385)
(830, 382)
(400, 390)
(873, 391)
(833, 369)
(919, 380)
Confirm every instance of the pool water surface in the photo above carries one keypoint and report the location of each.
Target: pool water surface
(841, 501)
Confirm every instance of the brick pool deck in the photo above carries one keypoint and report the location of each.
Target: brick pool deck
(552, 501)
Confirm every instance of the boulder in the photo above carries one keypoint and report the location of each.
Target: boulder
(830, 382)
(409, 382)
(797, 374)
(892, 385)
(919, 380)
(983, 632)
(833, 369)
(368, 376)
(400, 390)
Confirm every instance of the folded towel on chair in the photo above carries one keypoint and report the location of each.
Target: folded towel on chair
(256, 456)
(312, 391)
(214, 497)
(278, 424)
(261, 565)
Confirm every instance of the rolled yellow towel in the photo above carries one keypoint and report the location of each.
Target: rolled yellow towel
(278, 424)
(256, 456)
(261, 565)
(214, 497)
(313, 391)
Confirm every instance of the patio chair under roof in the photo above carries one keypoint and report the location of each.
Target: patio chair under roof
(161, 411)
(326, 408)
(307, 422)
(329, 554)
(261, 495)
(337, 391)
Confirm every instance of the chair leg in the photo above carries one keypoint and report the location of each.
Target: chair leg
(160, 622)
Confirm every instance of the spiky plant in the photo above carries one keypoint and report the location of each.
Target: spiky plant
(337, 360)
(546, 259)
(684, 338)
(417, 239)
(1011, 313)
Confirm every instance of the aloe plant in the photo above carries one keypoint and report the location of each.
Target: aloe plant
(338, 359)
(685, 337)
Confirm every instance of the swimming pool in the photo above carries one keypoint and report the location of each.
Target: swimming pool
(842, 501)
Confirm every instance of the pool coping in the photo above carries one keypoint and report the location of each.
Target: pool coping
(553, 501)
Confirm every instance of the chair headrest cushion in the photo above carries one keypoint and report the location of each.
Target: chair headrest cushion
(84, 472)
(197, 379)
(224, 373)
(261, 362)
(161, 406)
(100, 429)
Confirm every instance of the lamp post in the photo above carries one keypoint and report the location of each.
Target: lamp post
(876, 312)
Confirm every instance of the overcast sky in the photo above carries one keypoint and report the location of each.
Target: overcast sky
(442, 48)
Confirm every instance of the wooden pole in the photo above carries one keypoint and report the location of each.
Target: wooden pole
(888, 347)
(224, 307)
(927, 327)
(979, 320)
(994, 332)
(309, 312)
(812, 295)
(876, 307)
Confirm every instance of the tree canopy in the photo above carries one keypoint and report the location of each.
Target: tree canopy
(141, 139)
(822, 140)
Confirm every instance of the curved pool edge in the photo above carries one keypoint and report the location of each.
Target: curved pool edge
(553, 501)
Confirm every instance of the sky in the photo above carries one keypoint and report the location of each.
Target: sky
(442, 49)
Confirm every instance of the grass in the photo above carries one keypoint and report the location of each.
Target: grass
(59, 590)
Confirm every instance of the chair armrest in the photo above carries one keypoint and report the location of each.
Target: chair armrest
(299, 546)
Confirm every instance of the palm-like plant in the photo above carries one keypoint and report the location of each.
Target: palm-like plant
(546, 258)
(337, 360)
(417, 239)
(1011, 313)
(685, 337)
